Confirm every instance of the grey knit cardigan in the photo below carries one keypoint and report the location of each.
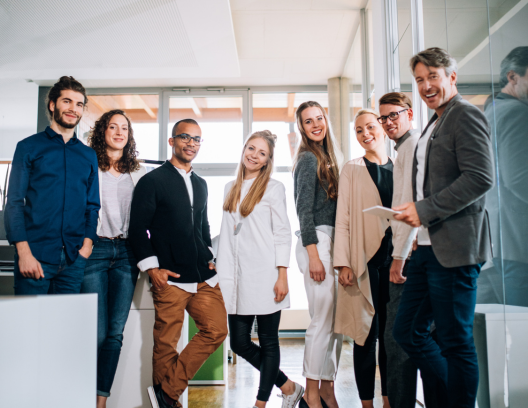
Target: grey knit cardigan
(313, 207)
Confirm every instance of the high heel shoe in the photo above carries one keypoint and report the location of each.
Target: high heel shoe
(304, 404)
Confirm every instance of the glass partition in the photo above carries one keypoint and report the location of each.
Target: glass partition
(489, 41)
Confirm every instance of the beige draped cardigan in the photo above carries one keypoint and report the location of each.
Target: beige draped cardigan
(358, 237)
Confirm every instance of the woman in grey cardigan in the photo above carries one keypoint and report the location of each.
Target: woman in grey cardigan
(316, 175)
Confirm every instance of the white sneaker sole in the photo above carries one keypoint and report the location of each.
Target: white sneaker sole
(152, 397)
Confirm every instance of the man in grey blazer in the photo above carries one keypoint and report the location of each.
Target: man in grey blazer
(452, 171)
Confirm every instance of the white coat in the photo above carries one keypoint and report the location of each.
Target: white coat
(247, 262)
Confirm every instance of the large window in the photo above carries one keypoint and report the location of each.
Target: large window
(221, 121)
(142, 110)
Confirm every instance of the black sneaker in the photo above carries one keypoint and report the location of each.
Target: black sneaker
(156, 397)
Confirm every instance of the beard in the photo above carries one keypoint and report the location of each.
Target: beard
(57, 117)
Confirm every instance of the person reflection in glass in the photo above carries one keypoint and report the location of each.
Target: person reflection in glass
(507, 113)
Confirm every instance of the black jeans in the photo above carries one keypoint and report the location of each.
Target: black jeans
(265, 357)
(365, 356)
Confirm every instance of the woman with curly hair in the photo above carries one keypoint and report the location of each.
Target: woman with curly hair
(111, 270)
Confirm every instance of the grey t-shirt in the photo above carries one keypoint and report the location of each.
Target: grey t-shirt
(115, 204)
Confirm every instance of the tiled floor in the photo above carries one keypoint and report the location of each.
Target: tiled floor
(243, 382)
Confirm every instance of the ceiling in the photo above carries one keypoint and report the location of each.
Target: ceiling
(117, 43)
(193, 43)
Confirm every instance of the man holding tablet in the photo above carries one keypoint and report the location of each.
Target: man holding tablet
(452, 171)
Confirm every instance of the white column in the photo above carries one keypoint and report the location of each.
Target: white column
(339, 112)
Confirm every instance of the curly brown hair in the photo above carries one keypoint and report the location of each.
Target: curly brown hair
(128, 163)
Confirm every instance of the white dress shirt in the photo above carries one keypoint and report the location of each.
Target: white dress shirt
(152, 261)
(423, 233)
(251, 249)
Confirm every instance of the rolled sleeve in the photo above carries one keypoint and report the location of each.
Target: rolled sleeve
(148, 263)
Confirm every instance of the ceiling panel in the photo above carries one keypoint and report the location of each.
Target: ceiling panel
(117, 39)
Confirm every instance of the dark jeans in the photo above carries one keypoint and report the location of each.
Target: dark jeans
(402, 373)
(265, 357)
(65, 278)
(111, 272)
(446, 296)
(365, 356)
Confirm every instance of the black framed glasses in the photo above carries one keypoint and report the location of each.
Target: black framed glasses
(392, 116)
(187, 138)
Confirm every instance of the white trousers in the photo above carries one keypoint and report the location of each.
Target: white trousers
(322, 346)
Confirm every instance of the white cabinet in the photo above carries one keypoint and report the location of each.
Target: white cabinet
(500, 338)
(48, 351)
(134, 372)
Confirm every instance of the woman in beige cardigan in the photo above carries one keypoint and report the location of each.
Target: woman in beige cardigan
(362, 254)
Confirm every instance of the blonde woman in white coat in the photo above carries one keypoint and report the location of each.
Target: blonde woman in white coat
(252, 261)
(111, 269)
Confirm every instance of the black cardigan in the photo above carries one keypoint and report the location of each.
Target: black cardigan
(179, 233)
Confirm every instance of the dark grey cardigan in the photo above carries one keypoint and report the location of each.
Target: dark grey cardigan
(163, 224)
(313, 207)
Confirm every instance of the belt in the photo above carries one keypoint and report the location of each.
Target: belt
(119, 237)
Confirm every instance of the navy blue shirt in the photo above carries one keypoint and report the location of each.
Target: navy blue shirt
(53, 196)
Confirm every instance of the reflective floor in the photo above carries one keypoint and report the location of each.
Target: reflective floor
(243, 382)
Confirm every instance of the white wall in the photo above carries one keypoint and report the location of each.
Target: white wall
(18, 114)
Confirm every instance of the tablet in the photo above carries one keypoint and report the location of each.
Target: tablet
(382, 212)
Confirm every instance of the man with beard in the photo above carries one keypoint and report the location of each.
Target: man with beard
(169, 234)
(507, 116)
(53, 199)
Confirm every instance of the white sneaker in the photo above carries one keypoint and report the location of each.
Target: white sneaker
(290, 401)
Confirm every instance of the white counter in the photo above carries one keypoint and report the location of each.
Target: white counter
(48, 351)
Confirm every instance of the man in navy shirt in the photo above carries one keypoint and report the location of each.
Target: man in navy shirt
(53, 199)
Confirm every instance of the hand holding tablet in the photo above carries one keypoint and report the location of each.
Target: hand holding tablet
(382, 212)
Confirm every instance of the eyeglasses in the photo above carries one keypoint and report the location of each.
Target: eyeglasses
(392, 116)
(187, 138)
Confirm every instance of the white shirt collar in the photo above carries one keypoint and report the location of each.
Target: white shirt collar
(183, 172)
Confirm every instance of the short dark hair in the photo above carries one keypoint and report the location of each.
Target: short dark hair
(190, 121)
(435, 57)
(396, 98)
(65, 83)
(516, 61)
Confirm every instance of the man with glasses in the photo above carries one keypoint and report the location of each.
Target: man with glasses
(396, 119)
(169, 234)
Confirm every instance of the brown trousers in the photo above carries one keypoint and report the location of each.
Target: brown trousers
(171, 369)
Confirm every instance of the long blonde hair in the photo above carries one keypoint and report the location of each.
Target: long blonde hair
(258, 188)
(327, 163)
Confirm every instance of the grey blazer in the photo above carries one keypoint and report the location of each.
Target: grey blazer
(458, 173)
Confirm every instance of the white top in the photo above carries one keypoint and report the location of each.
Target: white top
(423, 234)
(135, 176)
(116, 200)
(152, 261)
(402, 234)
(247, 261)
